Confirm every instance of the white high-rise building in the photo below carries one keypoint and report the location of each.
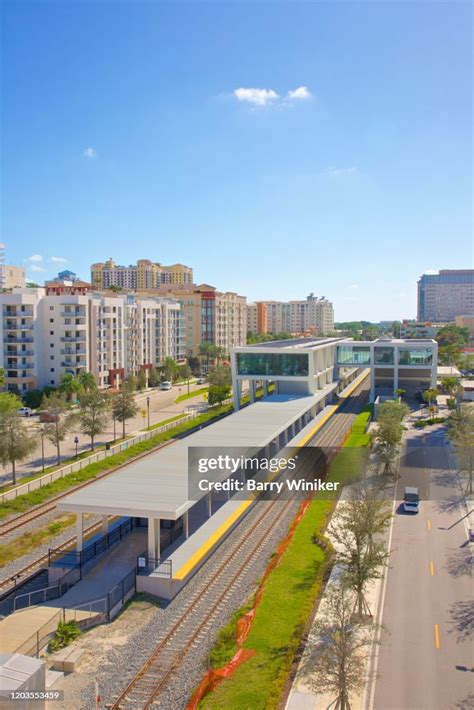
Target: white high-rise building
(44, 337)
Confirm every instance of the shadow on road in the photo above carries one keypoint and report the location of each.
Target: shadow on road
(459, 563)
(461, 620)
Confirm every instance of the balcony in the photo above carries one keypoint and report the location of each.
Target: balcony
(70, 351)
(16, 339)
(19, 366)
(72, 314)
(73, 339)
(18, 313)
(10, 325)
(17, 353)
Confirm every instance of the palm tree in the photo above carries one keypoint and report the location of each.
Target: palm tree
(70, 385)
(205, 350)
(87, 381)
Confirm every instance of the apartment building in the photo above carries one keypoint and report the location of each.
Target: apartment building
(140, 277)
(464, 321)
(443, 296)
(217, 317)
(45, 336)
(12, 276)
(314, 316)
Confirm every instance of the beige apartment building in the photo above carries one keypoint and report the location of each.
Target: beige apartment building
(12, 276)
(314, 316)
(140, 277)
(43, 337)
(217, 317)
(466, 322)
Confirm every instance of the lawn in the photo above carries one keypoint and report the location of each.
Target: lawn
(287, 601)
(190, 395)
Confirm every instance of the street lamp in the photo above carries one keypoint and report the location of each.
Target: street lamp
(42, 447)
(148, 410)
(76, 441)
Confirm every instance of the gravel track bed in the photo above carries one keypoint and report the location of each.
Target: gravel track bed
(115, 652)
(15, 566)
(31, 526)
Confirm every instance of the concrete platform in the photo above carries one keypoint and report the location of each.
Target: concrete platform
(188, 556)
(19, 631)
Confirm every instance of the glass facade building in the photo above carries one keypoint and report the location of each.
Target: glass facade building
(273, 364)
(353, 355)
(415, 356)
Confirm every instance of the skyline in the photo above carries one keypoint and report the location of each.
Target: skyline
(178, 135)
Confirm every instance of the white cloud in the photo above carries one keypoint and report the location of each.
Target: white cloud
(259, 97)
(34, 258)
(37, 269)
(302, 92)
(354, 286)
(337, 172)
(431, 272)
(58, 259)
(89, 153)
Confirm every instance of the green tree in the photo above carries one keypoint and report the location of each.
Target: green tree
(461, 434)
(16, 442)
(55, 431)
(217, 394)
(141, 379)
(361, 562)
(153, 377)
(220, 376)
(93, 413)
(87, 381)
(400, 393)
(71, 386)
(2, 377)
(452, 334)
(169, 369)
(337, 650)
(185, 374)
(388, 435)
(430, 396)
(205, 350)
(131, 382)
(124, 406)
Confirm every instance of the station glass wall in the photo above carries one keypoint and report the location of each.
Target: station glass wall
(415, 356)
(353, 355)
(273, 364)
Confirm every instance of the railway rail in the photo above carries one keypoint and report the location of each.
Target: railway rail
(329, 436)
(154, 675)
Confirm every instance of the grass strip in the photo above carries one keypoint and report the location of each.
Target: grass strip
(91, 471)
(170, 420)
(29, 541)
(287, 601)
(190, 395)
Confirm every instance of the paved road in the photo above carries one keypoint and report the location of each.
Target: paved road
(162, 407)
(426, 658)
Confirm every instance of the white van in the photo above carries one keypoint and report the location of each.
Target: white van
(411, 500)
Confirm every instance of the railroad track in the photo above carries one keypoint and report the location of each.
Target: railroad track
(19, 520)
(154, 675)
(41, 561)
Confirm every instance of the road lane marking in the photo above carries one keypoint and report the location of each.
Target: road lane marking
(432, 568)
(436, 630)
(429, 524)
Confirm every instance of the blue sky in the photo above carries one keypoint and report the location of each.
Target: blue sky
(130, 130)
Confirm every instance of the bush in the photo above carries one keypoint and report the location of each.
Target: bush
(64, 635)
(428, 422)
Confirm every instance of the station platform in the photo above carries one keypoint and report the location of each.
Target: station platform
(26, 630)
(185, 557)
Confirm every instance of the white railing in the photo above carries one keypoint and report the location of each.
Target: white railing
(48, 478)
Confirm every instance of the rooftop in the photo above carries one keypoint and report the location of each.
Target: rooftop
(156, 486)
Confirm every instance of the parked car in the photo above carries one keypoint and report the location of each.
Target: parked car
(201, 381)
(166, 385)
(47, 417)
(25, 412)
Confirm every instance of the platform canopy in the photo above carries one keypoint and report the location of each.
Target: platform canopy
(156, 486)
